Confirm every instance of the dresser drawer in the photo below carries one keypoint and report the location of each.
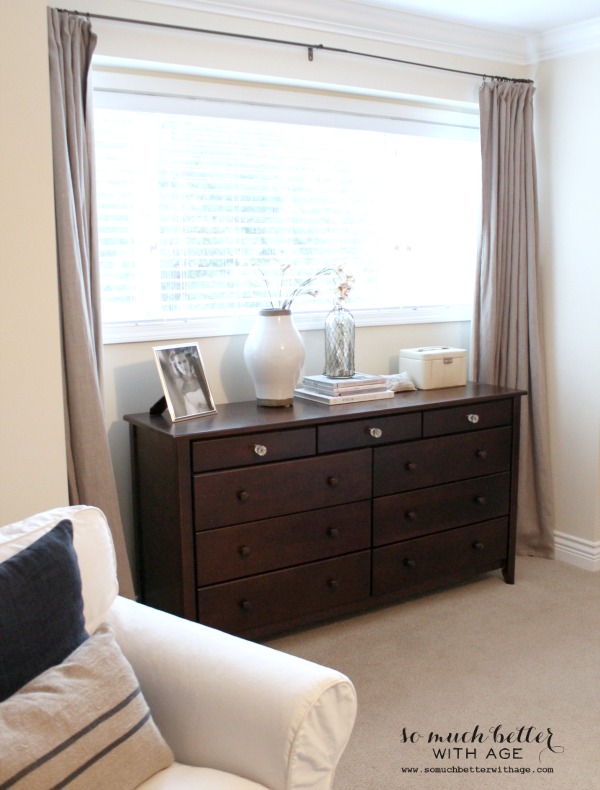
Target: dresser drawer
(429, 510)
(252, 448)
(471, 417)
(273, 598)
(367, 433)
(448, 557)
(237, 496)
(430, 462)
(247, 549)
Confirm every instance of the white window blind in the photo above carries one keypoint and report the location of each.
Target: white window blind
(201, 202)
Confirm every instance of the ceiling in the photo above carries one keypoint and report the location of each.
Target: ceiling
(528, 17)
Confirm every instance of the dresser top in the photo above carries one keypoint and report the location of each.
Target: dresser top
(248, 416)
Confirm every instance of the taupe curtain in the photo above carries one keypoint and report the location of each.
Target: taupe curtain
(507, 342)
(91, 479)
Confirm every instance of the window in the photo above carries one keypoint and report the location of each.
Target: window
(202, 204)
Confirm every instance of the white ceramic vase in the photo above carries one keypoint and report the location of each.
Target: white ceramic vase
(274, 355)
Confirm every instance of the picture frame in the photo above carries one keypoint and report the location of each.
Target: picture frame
(184, 381)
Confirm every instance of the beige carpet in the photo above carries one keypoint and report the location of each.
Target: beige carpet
(479, 662)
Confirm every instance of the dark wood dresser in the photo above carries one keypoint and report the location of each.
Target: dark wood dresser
(257, 520)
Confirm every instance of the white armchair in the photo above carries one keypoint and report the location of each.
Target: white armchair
(236, 715)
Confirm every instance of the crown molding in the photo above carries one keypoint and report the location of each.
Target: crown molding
(356, 19)
(376, 23)
(568, 40)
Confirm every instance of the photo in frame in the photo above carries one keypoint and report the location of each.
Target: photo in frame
(183, 381)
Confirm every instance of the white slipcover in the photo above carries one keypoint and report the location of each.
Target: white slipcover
(237, 715)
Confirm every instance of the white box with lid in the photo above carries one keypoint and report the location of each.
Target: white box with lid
(433, 367)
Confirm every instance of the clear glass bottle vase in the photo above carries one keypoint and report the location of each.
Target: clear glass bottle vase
(339, 343)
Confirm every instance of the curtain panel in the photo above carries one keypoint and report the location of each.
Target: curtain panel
(91, 479)
(507, 340)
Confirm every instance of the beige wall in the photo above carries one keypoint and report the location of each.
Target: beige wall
(32, 457)
(568, 119)
(33, 469)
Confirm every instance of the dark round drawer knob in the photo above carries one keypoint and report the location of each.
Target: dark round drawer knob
(244, 551)
(483, 454)
(333, 532)
(243, 495)
(410, 563)
(245, 605)
(478, 545)
(480, 500)
(411, 466)
(333, 584)
(410, 515)
(333, 481)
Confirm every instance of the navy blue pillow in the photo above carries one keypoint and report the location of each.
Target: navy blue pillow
(41, 608)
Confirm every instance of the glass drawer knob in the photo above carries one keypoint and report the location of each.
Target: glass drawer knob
(376, 433)
(474, 418)
(260, 449)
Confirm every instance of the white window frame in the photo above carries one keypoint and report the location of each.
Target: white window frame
(118, 82)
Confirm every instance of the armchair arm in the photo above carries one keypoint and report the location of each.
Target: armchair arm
(223, 702)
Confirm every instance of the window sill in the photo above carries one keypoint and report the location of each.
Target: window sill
(178, 329)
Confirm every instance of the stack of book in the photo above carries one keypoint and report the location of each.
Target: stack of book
(361, 386)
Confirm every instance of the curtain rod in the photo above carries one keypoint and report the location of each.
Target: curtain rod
(310, 48)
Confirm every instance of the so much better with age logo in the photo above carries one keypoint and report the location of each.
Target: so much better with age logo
(496, 749)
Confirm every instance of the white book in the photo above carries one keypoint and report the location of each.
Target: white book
(337, 400)
(358, 390)
(343, 390)
(327, 384)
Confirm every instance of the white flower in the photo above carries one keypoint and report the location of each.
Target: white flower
(344, 286)
(304, 288)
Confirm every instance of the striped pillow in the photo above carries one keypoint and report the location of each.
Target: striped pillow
(83, 723)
